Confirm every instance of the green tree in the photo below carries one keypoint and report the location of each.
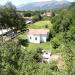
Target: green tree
(11, 19)
(10, 58)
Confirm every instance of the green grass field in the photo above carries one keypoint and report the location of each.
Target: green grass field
(33, 47)
(40, 24)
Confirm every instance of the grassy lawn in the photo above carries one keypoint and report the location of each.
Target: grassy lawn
(34, 46)
(40, 24)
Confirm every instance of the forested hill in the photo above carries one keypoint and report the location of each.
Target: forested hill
(64, 26)
(62, 37)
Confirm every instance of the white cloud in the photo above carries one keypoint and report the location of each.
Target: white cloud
(59, 0)
(39, 0)
(66, 0)
(71, 0)
(51, 0)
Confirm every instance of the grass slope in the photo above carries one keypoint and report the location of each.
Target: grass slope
(33, 46)
(40, 24)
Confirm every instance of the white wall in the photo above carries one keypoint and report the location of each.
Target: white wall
(40, 38)
(33, 38)
(43, 37)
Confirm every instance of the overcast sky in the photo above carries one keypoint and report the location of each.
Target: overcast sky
(20, 2)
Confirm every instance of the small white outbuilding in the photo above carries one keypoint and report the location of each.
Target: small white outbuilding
(37, 35)
(46, 56)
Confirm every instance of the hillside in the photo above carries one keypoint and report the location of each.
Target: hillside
(64, 24)
(44, 5)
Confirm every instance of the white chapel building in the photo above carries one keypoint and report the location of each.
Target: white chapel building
(37, 35)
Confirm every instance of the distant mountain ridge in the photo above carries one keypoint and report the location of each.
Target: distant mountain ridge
(44, 5)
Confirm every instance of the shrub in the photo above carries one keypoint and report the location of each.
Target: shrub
(23, 42)
(46, 26)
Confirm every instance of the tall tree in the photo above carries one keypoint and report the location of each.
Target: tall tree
(11, 18)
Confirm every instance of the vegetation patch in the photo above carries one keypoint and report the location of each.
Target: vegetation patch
(41, 24)
(32, 46)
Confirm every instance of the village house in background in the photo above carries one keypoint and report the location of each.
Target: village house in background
(37, 35)
(48, 14)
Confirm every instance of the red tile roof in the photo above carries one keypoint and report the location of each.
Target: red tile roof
(38, 31)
